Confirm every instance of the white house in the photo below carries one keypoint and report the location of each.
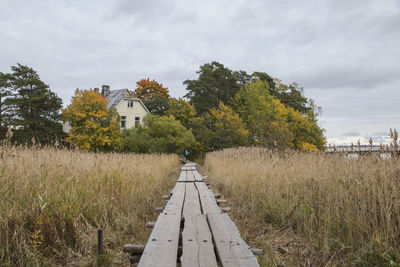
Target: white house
(130, 108)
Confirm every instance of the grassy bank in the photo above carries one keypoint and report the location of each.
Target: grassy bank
(52, 202)
(312, 209)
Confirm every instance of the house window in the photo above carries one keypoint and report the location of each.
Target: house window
(123, 121)
(130, 103)
(137, 120)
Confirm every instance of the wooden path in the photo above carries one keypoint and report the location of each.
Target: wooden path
(193, 230)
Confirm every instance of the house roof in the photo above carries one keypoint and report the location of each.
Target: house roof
(116, 96)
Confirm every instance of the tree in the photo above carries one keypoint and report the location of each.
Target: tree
(273, 124)
(157, 105)
(215, 84)
(264, 116)
(307, 135)
(154, 95)
(292, 96)
(275, 114)
(184, 112)
(228, 129)
(4, 93)
(33, 111)
(265, 77)
(158, 134)
(93, 126)
(146, 88)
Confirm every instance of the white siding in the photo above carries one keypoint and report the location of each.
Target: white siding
(66, 127)
(136, 111)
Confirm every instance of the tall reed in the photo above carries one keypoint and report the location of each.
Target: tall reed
(52, 201)
(348, 209)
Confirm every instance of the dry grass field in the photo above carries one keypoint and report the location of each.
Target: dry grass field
(312, 209)
(52, 201)
(303, 209)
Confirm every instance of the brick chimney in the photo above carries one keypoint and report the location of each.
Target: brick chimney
(105, 90)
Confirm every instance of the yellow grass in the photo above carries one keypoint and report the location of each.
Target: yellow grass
(52, 202)
(318, 209)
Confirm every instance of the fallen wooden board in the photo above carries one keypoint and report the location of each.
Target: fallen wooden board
(197, 246)
(162, 246)
(230, 247)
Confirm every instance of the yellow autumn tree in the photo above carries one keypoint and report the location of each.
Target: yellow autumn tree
(93, 126)
(146, 88)
(307, 135)
(264, 116)
(228, 129)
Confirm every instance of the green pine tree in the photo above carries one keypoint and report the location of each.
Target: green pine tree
(33, 110)
(5, 92)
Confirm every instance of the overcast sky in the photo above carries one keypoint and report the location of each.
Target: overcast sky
(345, 53)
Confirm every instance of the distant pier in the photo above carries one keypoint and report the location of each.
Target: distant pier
(360, 149)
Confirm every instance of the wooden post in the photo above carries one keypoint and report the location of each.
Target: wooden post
(256, 251)
(135, 258)
(100, 241)
(99, 247)
(226, 209)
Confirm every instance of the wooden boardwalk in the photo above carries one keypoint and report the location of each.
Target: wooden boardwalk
(192, 229)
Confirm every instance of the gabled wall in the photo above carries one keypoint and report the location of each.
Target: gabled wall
(131, 112)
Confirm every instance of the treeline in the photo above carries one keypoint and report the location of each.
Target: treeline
(222, 108)
(225, 108)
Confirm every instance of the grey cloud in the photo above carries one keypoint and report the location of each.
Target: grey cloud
(381, 133)
(144, 10)
(344, 53)
(351, 134)
(345, 76)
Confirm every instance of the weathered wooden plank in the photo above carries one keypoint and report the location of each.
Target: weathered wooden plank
(230, 247)
(198, 177)
(207, 198)
(197, 249)
(182, 176)
(190, 164)
(190, 176)
(162, 246)
(189, 167)
(192, 205)
(204, 223)
(175, 204)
